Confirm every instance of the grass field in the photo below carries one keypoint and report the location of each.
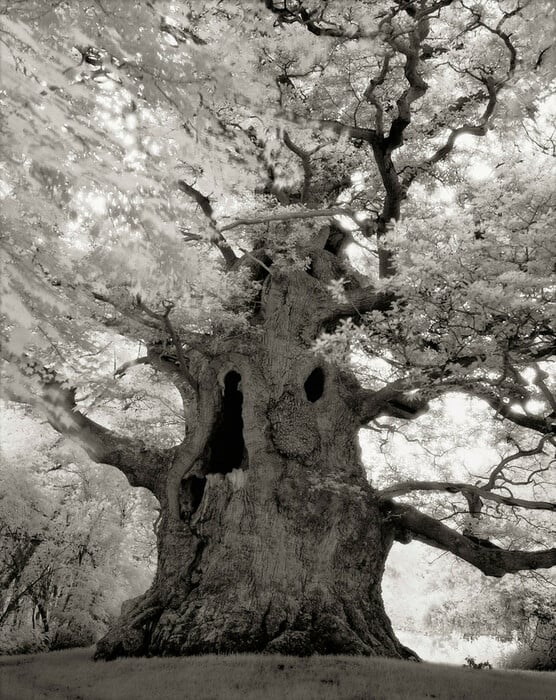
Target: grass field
(72, 675)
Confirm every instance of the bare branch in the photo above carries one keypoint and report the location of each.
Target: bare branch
(499, 469)
(492, 561)
(291, 215)
(411, 486)
(165, 319)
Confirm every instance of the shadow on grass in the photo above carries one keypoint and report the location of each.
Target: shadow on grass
(73, 675)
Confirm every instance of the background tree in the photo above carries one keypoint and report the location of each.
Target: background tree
(167, 177)
(72, 548)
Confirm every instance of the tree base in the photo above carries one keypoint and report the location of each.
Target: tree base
(146, 629)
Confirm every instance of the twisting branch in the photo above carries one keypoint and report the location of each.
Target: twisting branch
(498, 471)
(164, 318)
(317, 25)
(372, 99)
(416, 84)
(492, 561)
(411, 486)
(305, 157)
(478, 129)
(216, 237)
(493, 88)
(385, 146)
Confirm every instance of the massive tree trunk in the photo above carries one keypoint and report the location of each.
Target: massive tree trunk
(270, 538)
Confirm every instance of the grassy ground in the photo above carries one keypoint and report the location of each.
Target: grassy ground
(72, 675)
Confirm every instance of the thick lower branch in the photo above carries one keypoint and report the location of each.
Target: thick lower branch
(141, 465)
(42, 388)
(491, 561)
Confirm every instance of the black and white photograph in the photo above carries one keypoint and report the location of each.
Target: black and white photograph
(277, 349)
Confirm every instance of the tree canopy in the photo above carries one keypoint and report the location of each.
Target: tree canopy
(164, 164)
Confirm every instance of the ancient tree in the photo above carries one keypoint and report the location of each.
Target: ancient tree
(312, 217)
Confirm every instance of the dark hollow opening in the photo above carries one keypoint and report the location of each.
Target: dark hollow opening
(227, 444)
(314, 385)
(197, 486)
(192, 491)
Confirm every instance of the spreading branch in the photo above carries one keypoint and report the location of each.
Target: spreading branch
(142, 466)
(127, 310)
(498, 471)
(492, 561)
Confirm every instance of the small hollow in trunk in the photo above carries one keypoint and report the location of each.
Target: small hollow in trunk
(314, 385)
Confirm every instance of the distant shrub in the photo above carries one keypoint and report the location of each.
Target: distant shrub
(527, 659)
(74, 635)
(471, 663)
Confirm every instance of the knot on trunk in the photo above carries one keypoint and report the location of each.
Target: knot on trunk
(294, 428)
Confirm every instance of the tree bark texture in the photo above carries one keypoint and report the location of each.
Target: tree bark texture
(270, 538)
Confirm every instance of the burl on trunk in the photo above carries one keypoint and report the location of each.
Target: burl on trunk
(270, 539)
